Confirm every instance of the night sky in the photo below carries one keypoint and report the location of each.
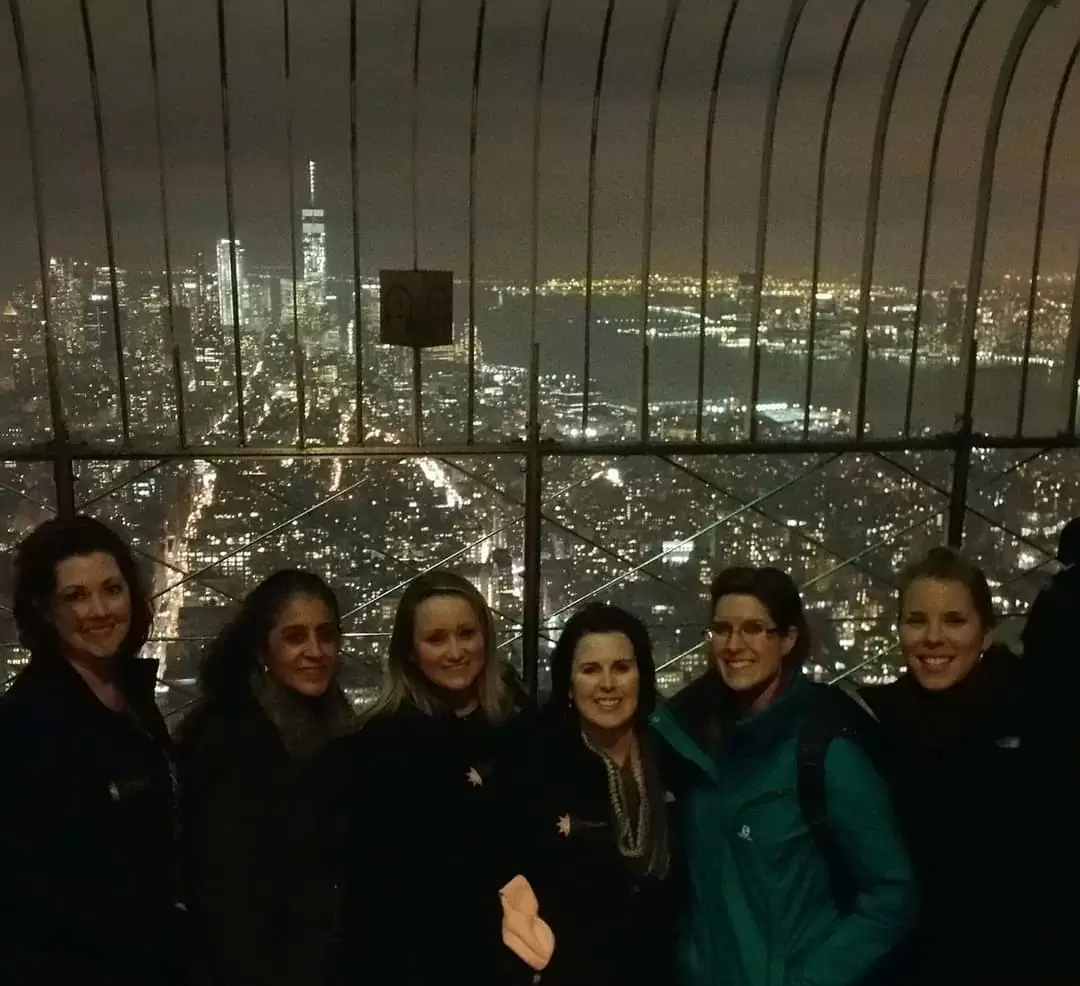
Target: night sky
(319, 99)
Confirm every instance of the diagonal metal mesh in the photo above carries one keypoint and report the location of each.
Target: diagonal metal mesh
(745, 351)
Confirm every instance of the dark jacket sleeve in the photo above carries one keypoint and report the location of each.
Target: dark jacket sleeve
(49, 881)
(338, 787)
(229, 864)
(521, 779)
(1043, 625)
(885, 905)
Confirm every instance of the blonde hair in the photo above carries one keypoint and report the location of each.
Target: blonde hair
(405, 684)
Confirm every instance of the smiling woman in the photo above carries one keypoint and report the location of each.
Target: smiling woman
(92, 613)
(418, 793)
(766, 907)
(975, 748)
(591, 811)
(87, 836)
(260, 885)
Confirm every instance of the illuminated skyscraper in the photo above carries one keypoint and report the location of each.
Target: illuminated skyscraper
(313, 245)
(954, 315)
(225, 289)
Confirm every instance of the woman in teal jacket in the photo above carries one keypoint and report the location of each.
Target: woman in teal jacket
(763, 907)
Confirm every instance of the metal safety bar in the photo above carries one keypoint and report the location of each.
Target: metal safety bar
(961, 443)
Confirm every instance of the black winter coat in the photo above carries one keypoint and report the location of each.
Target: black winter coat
(612, 926)
(259, 860)
(985, 789)
(1050, 633)
(424, 852)
(88, 868)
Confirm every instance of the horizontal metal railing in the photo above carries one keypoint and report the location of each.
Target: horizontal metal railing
(802, 15)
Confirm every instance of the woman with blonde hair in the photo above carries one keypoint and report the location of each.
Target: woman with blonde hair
(416, 789)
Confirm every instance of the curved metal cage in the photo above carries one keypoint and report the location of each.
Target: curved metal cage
(792, 281)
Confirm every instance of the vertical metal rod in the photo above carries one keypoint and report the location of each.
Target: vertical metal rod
(230, 216)
(414, 156)
(819, 205)
(414, 168)
(418, 404)
(706, 209)
(1040, 222)
(928, 209)
(354, 196)
(64, 483)
(474, 130)
(647, 220)
(969, 355)
(1070, 369)
(791, 25)
(970, 345)
(106, 214)
(534, 218)
(877, 170)
(590, 213)
(959, 493)
(166, 242)
(52, 369)
(298, 348)
(530, 629)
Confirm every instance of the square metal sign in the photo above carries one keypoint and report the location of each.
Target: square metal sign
(416, 308)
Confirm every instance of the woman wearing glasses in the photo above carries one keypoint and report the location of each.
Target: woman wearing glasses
(763, 905)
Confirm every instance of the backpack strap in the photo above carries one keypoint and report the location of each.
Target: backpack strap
(823, 724)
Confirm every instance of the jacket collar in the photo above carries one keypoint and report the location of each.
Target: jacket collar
(684, 722)
(137, 676)
(58, 682)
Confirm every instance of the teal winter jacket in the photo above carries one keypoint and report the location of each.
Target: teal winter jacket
(760, 908)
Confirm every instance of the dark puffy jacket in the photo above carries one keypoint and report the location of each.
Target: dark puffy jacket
(612, 925)
(424, 851)
(258, 856)
(1050, 631)
(984, 777)
(87, 834)
(762, 910)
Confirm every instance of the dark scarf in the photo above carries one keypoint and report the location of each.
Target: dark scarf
(936, 719)
(305, 725)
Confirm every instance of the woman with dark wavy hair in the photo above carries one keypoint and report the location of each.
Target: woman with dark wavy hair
(419, 789)
(592, 809)
(261, 887)
(88, 885)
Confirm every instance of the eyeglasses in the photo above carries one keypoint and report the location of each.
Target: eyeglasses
(751, 632)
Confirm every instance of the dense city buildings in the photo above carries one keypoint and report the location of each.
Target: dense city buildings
(647, 531)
